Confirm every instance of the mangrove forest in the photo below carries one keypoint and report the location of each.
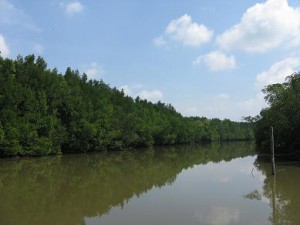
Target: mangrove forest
(44, 112)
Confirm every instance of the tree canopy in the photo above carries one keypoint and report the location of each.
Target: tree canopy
(283, 113)
(43, 112)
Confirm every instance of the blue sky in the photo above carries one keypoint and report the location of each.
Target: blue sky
(207, 58)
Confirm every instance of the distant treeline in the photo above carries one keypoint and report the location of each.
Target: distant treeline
(283, 114)
(43, 112)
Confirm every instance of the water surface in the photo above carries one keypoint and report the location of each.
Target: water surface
(203, 185)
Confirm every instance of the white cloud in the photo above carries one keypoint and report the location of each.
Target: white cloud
(186, 31)
(72, 8)
(275, 74)
(224, 106)
(131, 90)
(126, 89)
(264, 26)
(278, 72)
(153, 96)
(4, 49)
(252, 106)
(94, 71)
(216, 61)
(12, 16)
(139, 90)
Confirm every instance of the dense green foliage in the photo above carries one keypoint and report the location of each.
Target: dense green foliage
(283, 114)
(43, 112)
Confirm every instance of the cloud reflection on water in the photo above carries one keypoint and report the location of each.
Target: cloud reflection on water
(218, 215)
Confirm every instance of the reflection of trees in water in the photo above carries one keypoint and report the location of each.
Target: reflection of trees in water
(254, 195)
(282, 191)
(65, 189)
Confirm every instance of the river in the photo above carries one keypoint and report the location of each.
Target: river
(191, 185)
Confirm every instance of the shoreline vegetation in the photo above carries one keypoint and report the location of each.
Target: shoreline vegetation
(43, 112)
(283, 113)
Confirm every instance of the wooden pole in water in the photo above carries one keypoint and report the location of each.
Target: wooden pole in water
(274, 200)
(272, 151)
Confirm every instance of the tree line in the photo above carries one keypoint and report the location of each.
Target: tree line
(283, 113)
(43, 112)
